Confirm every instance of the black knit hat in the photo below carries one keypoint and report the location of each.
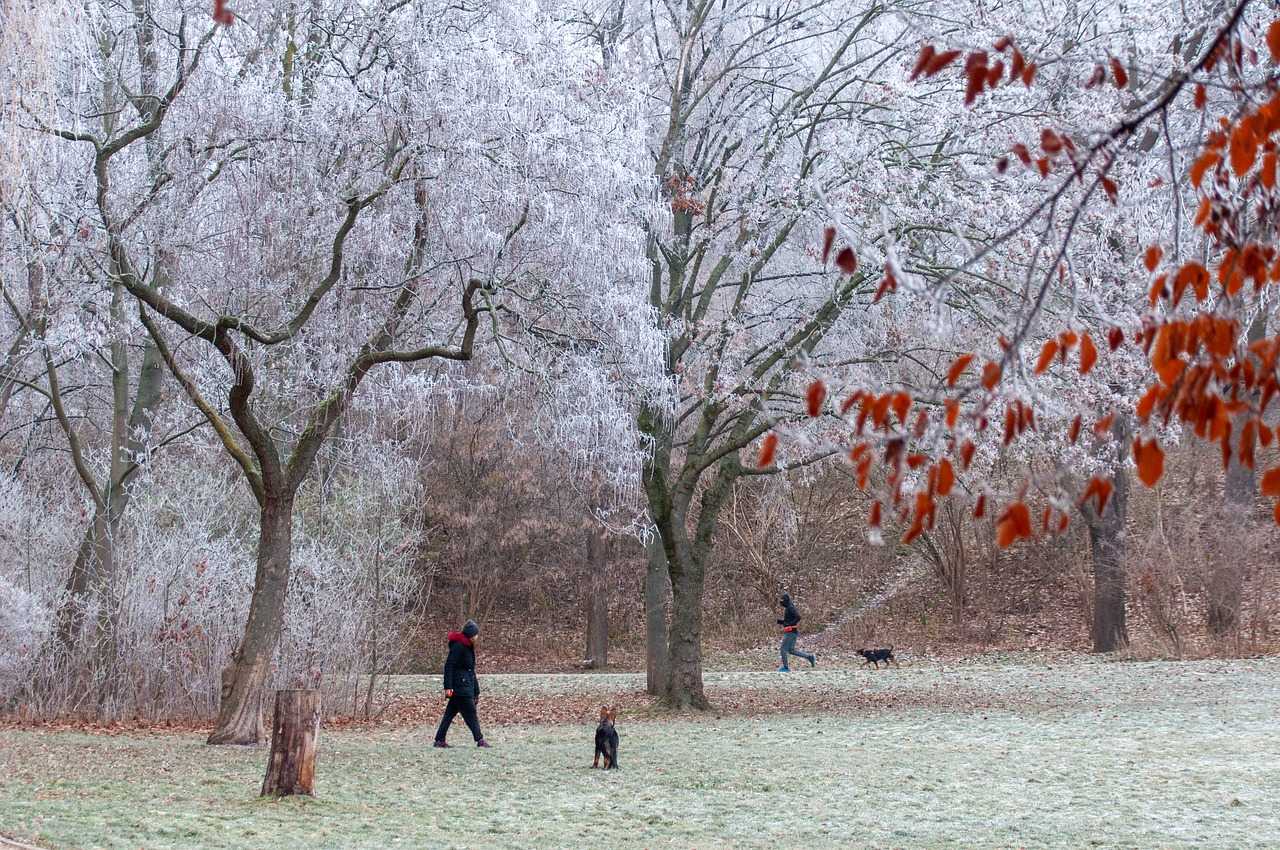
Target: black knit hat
(470, 628)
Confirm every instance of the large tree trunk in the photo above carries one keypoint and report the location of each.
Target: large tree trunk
(657, 591)
(94, 560)
(240, 712)
(291, 767)
(597, 602)
(684, 689)
(1109, 630)
(1225, 584)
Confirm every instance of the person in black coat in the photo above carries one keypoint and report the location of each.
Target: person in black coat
(790, 623)
(461, 685)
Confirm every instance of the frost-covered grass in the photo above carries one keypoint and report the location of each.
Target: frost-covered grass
(1145, 755)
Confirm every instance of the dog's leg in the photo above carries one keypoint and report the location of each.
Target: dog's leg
(595, 762)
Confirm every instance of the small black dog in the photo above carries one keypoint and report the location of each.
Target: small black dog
(875, 656)
(606, 739)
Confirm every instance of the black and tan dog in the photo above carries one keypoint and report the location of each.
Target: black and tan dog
(875, 656)
(606, 739)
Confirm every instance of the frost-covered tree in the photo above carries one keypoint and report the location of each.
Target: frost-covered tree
(342, 188)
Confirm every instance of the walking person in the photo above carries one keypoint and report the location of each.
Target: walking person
(790, 623)
(461, 685)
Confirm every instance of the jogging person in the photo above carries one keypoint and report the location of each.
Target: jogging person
(790, 634)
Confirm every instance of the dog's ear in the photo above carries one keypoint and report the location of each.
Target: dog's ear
(604, 712)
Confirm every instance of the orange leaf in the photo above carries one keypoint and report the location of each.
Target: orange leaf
(1101, 488)
(1243, 148)
(1147, 403)
(1046, 356)
(1150, 459)
(946, 477)
(1029, 74)
(1103, 426)
(1273, 40)
(1201, 97)
(874, 519)
(991, 375)
(1115, 337)
(953, 412)
(957, 368)
(1271, 482)
(980, 506)
(966, 454)
(1088, 354)
(1073, 432)
(767, 450)
(902, 406)
(1151, 258)
(816, 394)
(1014, 524)
(1248, 439)
(1206, 160)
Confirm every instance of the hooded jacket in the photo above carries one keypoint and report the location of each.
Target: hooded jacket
(790, 616)
(460, 667)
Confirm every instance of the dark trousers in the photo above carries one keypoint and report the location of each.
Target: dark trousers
(466, 706)
(789, 648)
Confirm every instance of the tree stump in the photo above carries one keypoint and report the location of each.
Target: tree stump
(291, 769)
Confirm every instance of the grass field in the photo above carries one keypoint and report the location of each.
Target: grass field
(1074, 755)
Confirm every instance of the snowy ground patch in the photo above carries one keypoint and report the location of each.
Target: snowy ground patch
(1076, 755)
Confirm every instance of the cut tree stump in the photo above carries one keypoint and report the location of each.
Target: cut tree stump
(291, 768)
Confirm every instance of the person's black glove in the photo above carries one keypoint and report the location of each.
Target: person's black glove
(779, 622)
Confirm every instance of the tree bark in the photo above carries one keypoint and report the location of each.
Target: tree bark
(685, 688)
(1110, 630)
(240, 711)
(657, 592)
(597, 602)
(291, 767)
(1225, 585)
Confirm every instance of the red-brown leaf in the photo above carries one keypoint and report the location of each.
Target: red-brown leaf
(1150, 460)
(926, 55)
(1100, 488)
(1115, 337)
(1118, 73)
(815, 396)
(1073, 431)
(1014, 524)
(1088, 354)
(940, 61)
(828, 239)
(847, 261)
(991, 374)
(957, 368)
(1271, 482)
(767, 450)
(1151, 258)
(946, 477)
(1273, 40)
(1046, 356)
